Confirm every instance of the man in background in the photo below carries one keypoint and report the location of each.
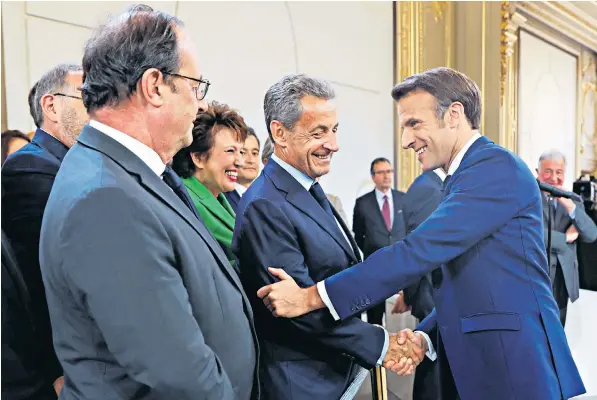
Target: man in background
(268, 150)
(248, 172)
(569, 223)
(420, 201)
(377, 219)
(27, 177)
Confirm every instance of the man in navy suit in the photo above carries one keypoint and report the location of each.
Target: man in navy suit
(498, 330)
(377, 220)
(27, 178)
(285, 220)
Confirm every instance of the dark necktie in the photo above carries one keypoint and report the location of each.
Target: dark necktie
(175, 183)
(317, 192)
(385, 211)
(445, 182)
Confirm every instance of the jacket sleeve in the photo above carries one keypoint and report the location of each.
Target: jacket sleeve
(120, 260)
(476, 189)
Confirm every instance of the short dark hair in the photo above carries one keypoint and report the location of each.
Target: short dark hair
(251, 132)
(51, 82)
(377, 161)
(268, 149)
(7, 137)
(447, 86)
(118, 54)
(206, 125)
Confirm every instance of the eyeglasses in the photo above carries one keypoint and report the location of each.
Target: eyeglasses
(67, 95)
(200, 90)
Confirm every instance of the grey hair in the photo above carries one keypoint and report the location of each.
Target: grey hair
(268, 149)
(51, 82)
(283, 100)
(553, 155)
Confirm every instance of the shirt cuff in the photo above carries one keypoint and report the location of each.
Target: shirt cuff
(572, 213)
(386, 344)
(326, 300)
(431, 354)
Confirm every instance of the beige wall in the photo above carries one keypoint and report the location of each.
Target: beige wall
(244, 47)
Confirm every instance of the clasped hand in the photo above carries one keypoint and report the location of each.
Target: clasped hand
(405, 352)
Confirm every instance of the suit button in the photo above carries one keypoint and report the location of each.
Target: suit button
(353, 308)
(437, 276)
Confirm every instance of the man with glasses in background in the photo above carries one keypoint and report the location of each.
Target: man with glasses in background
(143, 301)
(378, 221)
(27, 178)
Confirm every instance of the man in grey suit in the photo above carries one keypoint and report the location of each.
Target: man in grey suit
(142, 300)
(569, 222)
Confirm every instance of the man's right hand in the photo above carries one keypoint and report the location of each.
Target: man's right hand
(405, 352)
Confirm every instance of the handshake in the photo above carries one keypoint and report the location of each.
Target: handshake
(405, 352)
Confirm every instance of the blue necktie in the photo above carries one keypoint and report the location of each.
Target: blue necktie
(175, 183)
(317, 192)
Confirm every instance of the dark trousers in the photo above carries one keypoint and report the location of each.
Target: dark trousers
(375, 314)
(560, 293)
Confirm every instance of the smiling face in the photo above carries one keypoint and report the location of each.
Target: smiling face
(250, 169)
(552, 172)
(433, 140)
(219, 169)
(310, 145)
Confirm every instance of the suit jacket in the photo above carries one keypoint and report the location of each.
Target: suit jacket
(369, 227)
(216, 213)
(421, 200)
(27, 178)
(23, 377)
(497, 319)
(143, 301)
(311, 357)
(233, 198)
(565, 253)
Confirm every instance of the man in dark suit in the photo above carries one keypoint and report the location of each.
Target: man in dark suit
(421, 199)
(377, 220)
(248, 171)
(27, 178)
(285, 220)
(569, 223)
(23, 377)
(498, 335)
(143, 302)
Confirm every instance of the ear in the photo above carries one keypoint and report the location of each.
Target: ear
(48, 107)
(198, 161)
(278, 133)
(455, 114)
(152, 86)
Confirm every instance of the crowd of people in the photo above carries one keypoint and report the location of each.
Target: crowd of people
(145, 254)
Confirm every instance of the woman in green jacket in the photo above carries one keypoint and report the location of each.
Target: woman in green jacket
(209, 167)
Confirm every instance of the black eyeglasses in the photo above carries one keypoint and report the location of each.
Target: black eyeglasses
(200, 90)
(66, 95)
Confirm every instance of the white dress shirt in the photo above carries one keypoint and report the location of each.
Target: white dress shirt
(441, 173)
(144, 152)
(306, 182)
(379, 195)
(431, 353)
(240, 189)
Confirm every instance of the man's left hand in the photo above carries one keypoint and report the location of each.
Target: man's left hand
(286, 298)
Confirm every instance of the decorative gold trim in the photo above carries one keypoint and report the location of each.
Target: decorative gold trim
(448, 29)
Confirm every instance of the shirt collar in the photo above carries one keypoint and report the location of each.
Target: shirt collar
(458, 159)
(379, 194)
(144, 152)
(304, 180)
(240, 189)
(440, 172)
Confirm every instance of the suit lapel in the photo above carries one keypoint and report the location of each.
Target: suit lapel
(93, 138)
(353, 244)
(213, 206)
(397, 211)
(302, 200)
